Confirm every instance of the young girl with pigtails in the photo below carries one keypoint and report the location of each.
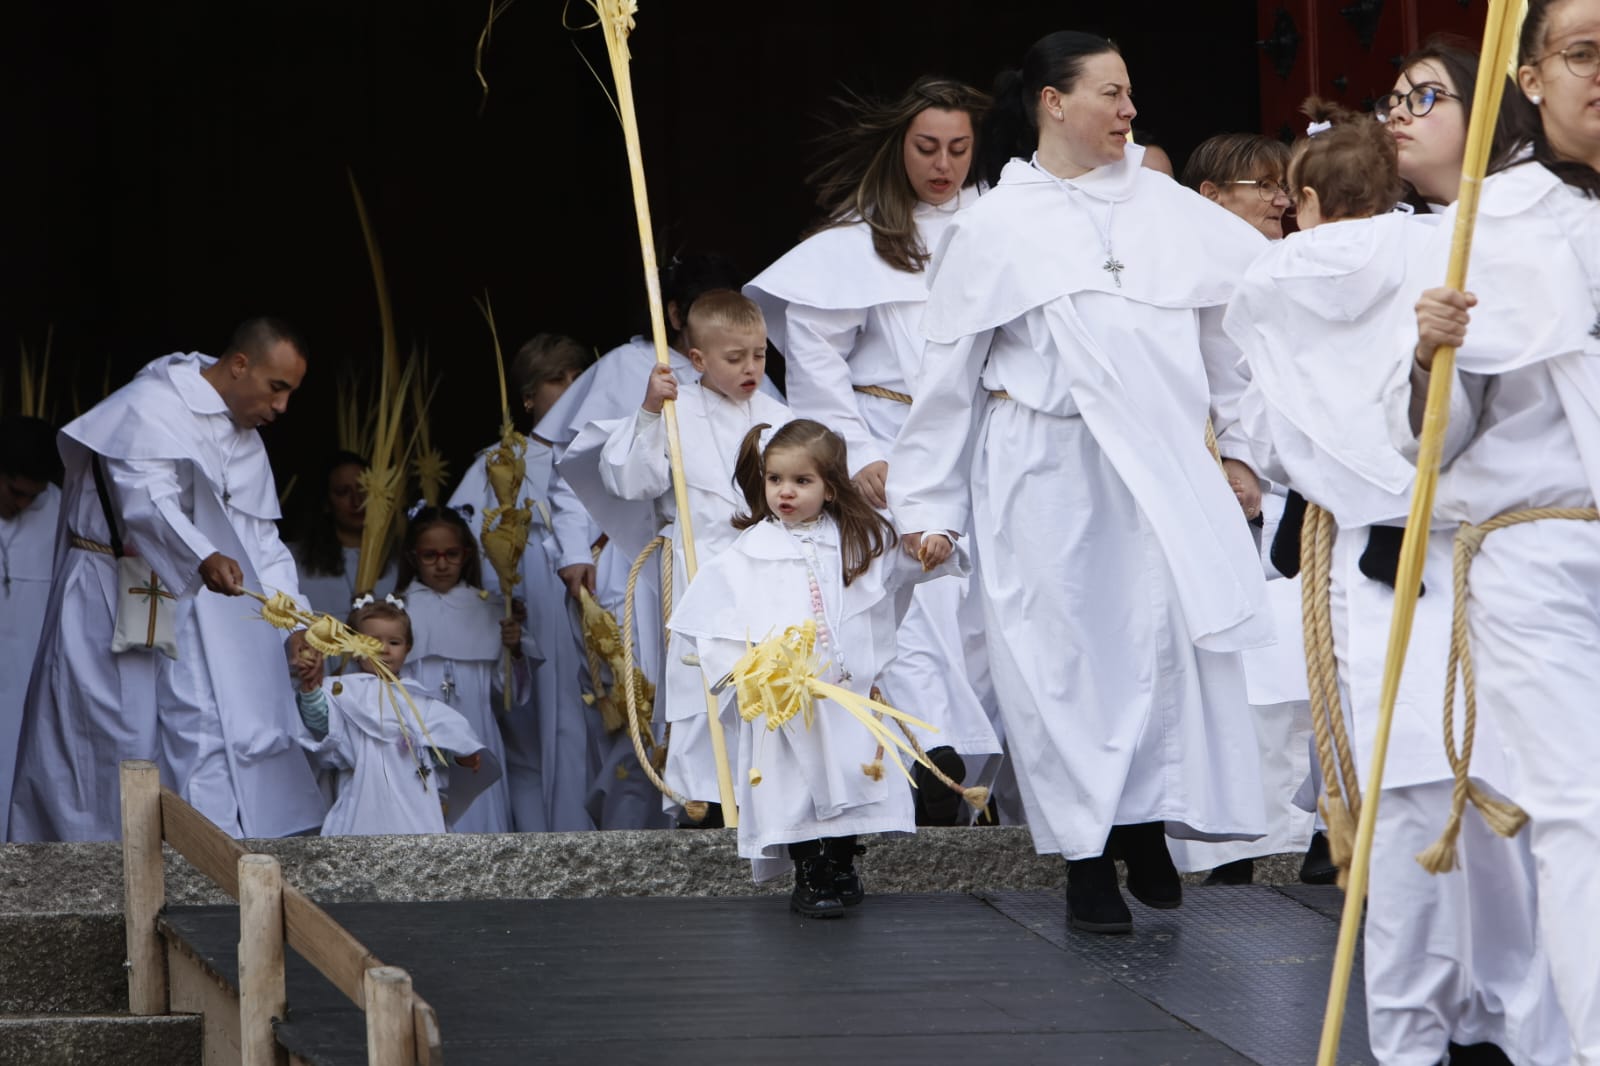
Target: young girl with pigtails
(812, 550)
(462, 640)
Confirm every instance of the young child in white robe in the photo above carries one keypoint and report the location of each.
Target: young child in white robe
(622, 473)
(812, 549)
(389, 773)
(1448, 958)
(462, 640)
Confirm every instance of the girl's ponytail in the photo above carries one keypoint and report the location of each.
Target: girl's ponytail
(748, 475)
(1007, 129)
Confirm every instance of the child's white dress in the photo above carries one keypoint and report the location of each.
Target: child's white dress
(458, 658)
(389, 779)
(813, 784)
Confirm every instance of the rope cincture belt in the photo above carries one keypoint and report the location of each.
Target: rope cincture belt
(1504, 817)
(883, 394)
(90, 545)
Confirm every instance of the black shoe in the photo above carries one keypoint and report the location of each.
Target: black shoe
(1094, 903)
(935, 802)
(1317, 868)
(1238, 872)
(1477, 1055)
(1152, 878)
(814, 895)
(842, 852)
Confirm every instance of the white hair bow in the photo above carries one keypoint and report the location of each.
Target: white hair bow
(1314, 128)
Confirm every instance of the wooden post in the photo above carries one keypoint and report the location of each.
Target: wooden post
(261, 983)
(144, 889)
(391, 1034)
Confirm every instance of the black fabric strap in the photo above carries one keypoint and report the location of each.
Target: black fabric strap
(105, 506)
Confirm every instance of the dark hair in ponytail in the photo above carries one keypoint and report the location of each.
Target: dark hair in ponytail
(1523, 120)
(864, 534)
(1011, 128)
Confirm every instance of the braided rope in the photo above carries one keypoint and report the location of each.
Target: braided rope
(977, 796)
(630, 690)
(1211, 442)
(883, 394)
(1340, 802)
(1502, 816)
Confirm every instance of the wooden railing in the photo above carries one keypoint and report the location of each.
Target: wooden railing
(402, 1029)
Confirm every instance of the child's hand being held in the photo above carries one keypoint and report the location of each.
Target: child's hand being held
(471, 762)
(934, 550)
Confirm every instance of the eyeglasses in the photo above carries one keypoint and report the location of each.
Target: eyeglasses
(1266, 188)
(429, 556)
(1582, 58)
(1419, 101)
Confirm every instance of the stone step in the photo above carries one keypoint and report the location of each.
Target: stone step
(61, 964)
(100, 1040)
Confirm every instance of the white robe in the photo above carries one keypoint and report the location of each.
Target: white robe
(335, 593)
(186, 483)
(457, 659)
(622, 797)
(27, 551)
(1120, 581)
(553, 740)
(620, 470)
(845, 318)
(812, 780)
(1525, 424)
(374, 745)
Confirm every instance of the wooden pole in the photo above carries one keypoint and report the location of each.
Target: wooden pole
(261, 982)
(1500, 33)
(143, 886)
(391, 1033)
(616, 22)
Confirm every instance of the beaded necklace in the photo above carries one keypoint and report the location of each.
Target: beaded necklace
(804, 534)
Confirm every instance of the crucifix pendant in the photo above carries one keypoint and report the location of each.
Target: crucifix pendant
(1114, 267)
(423, 773)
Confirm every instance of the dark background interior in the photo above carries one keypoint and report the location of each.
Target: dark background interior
(176, 165)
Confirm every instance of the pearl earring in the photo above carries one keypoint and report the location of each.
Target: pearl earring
(1535, 99)
(1057, 115)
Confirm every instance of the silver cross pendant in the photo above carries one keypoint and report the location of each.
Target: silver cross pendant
(1114, 267)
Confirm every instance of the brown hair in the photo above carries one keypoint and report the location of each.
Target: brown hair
(1352, 167)
(1524, 124)
(1235, 157)
(724, 309)
(864, 176)
(471, 568)
(383, 610)
(547, 357)
(864, 534)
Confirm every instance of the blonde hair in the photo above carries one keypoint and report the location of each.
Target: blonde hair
(383, 611)
(722, 309)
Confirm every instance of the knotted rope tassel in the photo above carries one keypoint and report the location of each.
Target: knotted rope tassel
(1503, 816)
(1340, 802)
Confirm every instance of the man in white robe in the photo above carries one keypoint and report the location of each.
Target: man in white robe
(192, 494)
(29, 504)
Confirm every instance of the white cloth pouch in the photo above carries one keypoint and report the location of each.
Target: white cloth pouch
(145, 610)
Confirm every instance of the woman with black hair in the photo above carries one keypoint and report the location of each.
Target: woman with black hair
(329, 543)
(1074, 325)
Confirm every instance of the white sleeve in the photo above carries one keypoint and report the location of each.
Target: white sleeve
(817, 376)
(575, 532)
(146, 494)
(929, 465)
(1407, 397)
(275, 566)
(633, 463)
(1227, 377)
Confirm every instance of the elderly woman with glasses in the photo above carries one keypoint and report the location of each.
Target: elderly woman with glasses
(1525, 435)
(1243, 172)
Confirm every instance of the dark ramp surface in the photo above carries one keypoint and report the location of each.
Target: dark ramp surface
(901, 980)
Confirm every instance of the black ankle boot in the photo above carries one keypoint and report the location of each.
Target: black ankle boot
(1094, 903)
(1152, 878)
(1317, 867)
(841, 853)
(814, 895)
(1237, 872)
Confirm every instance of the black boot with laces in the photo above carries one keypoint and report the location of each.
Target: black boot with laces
(814, 894)
(842, 852)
